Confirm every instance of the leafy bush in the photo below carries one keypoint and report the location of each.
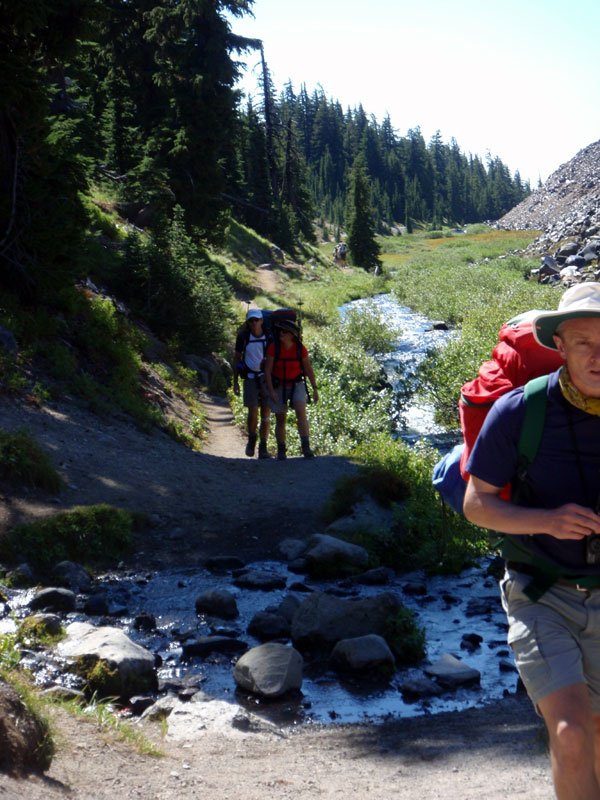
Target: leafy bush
(429, 536)
(94, 535)
(22, 461)
(177, 287)
(383, 485)
(405, 637)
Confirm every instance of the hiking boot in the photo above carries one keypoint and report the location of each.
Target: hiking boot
(281, 451)
(306, 451)
(262, 450)
(251, 446)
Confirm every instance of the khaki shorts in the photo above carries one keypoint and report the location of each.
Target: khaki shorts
(296, 393)
(255, 392)
(556, 641)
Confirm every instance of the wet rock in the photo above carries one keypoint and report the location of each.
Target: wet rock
(260, 579)
(269, 670)
(482, 606)
(418, 688)
(291, 549)
(205, 645)
(266, 626)
(131, 666)
(221, 564)
(322, 620)
(288, 606)
(53, 599)
(363, 653)
(72, 575)
(218, 603)
(365, 515)
(141, 703)
(504, 665)
(471, 641)
(327, 551)
(144, 622)
(379, 576)
(96, 605)
(451, 672)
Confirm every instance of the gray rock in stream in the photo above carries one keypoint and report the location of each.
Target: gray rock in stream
(322, 619)
(269, 670)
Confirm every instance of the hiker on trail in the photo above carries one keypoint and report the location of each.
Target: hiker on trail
(286, 370)
(250, 350)
(551, 587)
(339, 253)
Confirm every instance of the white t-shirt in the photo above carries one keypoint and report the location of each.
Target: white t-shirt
(255, 353)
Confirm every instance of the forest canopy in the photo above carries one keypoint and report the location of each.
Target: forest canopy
(138, 99)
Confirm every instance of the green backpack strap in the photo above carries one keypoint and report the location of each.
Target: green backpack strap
(531, 432)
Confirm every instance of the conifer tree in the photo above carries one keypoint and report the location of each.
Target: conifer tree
(364, 249)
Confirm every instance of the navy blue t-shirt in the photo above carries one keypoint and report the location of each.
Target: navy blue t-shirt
(554, 478)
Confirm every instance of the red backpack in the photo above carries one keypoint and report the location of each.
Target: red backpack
(516, 359)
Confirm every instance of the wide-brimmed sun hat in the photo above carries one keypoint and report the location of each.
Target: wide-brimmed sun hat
(581, 300)
(288, 325)
(254, 313)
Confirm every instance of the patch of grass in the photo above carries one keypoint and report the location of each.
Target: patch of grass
(103, 713)
(46, 746)
(93, 535)
(24, 462)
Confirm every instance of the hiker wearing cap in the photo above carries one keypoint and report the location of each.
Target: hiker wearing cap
(287, 366)
(250, 348)
(551, 587)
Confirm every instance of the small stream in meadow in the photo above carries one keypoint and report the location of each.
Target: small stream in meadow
(447, 607)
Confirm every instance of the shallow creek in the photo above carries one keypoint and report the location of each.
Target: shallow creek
(447, 607)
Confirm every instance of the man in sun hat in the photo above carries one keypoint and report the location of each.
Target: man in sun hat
(249, 363)
(555, 637)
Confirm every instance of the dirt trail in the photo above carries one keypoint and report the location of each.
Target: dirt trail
(220, 502)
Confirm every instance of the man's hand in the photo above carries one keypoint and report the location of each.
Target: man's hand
(236, 387)
(572, 521)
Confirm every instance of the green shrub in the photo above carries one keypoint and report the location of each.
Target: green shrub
(405, 638)
(94, 535)
(22, 461)
(383, 485)
(429, 535)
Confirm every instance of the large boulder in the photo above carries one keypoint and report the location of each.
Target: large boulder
(322, 620)
(111, 663)
(269, 670)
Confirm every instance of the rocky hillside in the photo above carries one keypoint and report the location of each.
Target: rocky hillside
(567, 206)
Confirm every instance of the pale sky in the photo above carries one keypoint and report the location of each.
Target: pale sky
(517, 78)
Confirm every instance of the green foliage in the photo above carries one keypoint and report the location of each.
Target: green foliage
(94, 535)
(470, 283)
(177, 287)
(383, 485)
(9, 654)
(22, 461)
(405, 637)
(429, 536)
(33, 632)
